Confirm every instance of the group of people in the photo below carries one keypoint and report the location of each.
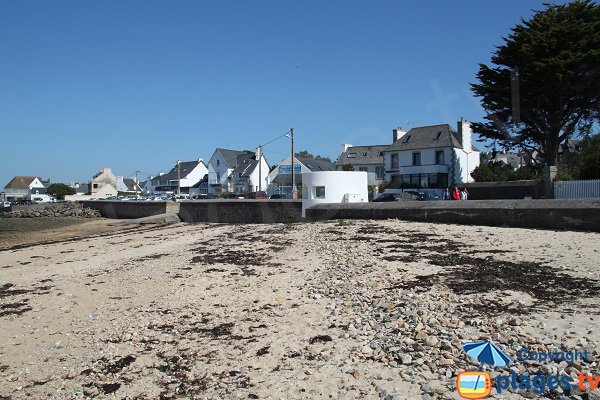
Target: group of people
(457, 194)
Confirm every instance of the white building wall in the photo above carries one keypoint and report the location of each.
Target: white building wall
(338, 187)
(465, 164)
(195, 176)
(217, 165)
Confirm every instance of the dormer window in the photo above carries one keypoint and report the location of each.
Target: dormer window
(438, 135)
(364, 154)
(380, 154)
(407, 138)
(351, 155)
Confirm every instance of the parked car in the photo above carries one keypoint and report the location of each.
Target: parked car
(279, 196)
(387, 197)
(258, 195)
(422, 196)
(203, 196)
(233, 196)
(180, 197)
(6, 206)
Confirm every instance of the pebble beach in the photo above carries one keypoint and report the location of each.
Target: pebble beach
(329, 310)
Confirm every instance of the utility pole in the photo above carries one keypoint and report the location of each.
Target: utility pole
(259, 168)
(136, 181)
(294, 190)
(178, 176)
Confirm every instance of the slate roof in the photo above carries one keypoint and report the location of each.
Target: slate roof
(427, 137)
(186, 168)
(362, 155)
(202, 181)
(21, 182)
(131, 185)
(316, 165)
(233, 157)
(246, 168)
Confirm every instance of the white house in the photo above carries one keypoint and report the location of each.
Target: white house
(333, 187)
(128, 185)
(280, 179)
(20, 186)
(103, 184)
(364, 158)
(433, 156)
(249, 174)
(221, 166)
(182, 176)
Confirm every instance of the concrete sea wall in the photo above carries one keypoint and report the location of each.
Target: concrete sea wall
(540, 214)
(241, 211)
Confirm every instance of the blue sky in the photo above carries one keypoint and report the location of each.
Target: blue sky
(137, 85)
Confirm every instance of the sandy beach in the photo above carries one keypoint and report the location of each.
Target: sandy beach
(328, 310)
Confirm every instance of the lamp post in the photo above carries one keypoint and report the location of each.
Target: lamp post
(178, 176)
(294, 190)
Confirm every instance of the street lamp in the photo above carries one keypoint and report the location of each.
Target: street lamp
(178, 176)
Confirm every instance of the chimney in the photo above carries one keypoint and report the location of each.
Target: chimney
(397, 134)
(465, 135)
(107, 170)
(345, 147)
(161, 173)
(200, 159)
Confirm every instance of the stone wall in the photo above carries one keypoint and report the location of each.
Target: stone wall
(241, 211)
(51, 211)
(540, 214)
(127, 209)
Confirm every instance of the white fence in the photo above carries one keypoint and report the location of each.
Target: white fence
(577, 189)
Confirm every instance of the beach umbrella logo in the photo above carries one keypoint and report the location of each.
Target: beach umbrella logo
(486, 353)
(478, 384)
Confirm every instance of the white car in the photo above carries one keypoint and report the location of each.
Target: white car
(5, 204)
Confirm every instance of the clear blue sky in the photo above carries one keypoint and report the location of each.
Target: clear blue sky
(137, 85)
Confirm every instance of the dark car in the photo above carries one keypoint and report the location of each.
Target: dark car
(204, 197)
(258, 195)
(428, 196)
(387, 197)
(279, 196)
(233, 196)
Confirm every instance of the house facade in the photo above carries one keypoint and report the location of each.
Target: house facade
(221, 166)
(435, 156)
(280, 178)
(183, 176)
(364, 158)
(251, 175)
(103, 184)
(20, 186)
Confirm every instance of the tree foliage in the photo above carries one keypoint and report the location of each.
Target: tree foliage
(306, 154)
(499, 171)
(60, 190)
(348, 167)
(589, 162)
(556, 58)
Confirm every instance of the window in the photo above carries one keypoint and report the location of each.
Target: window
(95, 186)
(395, 162)
(218, 161)
(437, 136)
(364, 154)
(407, 138)
(379, 172)
(416, 158)
(218, 176)
(380, 154)
(364, 169)
(351, 155)
(319, 192)
(439, 156)
(304, 192)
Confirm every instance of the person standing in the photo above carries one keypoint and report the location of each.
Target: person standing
(456, 193)
(447, 194)
(464, 195)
